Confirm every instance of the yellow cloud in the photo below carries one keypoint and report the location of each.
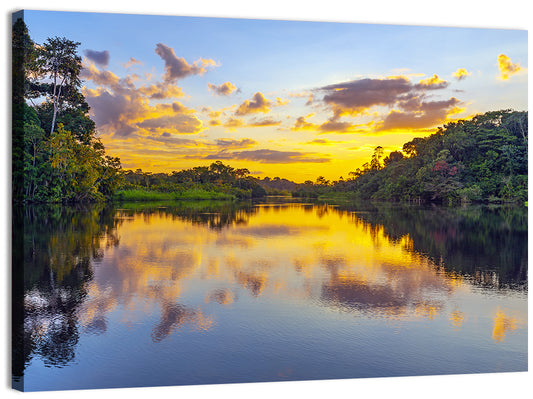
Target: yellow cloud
(453, 112)
(225, 89)
(299, 94)
(178, 124)
(161, 91)
(432, 81)
(461, 74)
(103, 78)
(280, 101)
(264, 122)
(132, 62)
(322, 142)
(400, 76)
(257, 104)
(302, 124)
(232, 123)
(215, 114)
(416, 115)
(507, 68)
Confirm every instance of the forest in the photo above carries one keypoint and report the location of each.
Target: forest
(56, 154)
(216, 181)
(483, 159)
(58, 157)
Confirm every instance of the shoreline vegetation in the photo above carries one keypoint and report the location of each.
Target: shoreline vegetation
(58, 157)
(151, 195)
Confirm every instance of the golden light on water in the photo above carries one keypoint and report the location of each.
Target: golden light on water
(457, 318)
(290, 252)
(503, 324)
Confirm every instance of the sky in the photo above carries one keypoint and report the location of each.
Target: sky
(293, 99)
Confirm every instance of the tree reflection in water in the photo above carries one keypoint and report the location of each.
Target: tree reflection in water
(59, 294)
(487, 245)
(53, 250)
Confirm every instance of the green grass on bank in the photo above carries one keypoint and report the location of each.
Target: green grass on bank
(148, 195)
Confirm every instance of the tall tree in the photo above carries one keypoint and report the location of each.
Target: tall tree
(23, 60)
(241, 173)
(375, 163)
(22, 57)
(60, 65)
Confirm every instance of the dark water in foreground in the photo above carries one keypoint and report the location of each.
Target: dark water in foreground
(203, 292)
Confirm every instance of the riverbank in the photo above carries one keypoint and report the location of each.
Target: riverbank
(350, 196)
(150, 195)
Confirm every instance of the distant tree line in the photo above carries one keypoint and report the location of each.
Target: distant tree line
(216, 177)
(57, 156)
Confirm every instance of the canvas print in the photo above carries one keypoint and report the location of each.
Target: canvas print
(222, 200)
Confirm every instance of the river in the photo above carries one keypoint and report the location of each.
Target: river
(180, 293)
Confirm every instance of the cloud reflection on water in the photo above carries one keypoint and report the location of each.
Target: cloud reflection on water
(173, 269)
(328, 257)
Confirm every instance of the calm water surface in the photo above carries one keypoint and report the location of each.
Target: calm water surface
(203, 292)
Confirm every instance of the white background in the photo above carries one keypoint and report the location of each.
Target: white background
(509, 14)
